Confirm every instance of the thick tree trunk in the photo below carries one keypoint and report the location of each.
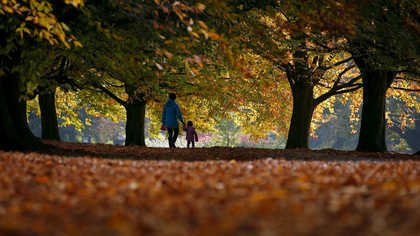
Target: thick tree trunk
(134, 129)
(372, 129)
(303, 108)
(48, 115)
(15, 133)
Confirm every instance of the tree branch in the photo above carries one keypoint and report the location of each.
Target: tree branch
(322, 84)
(336, 89)
(285, 15)
(401, 78)
(289, 75)
(348, 84)
(110, 94)
(406, 89)
(331, 93)
(338, 63)
(340, 75)
(113, 85)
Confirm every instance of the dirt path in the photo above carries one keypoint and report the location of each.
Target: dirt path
(217, 153)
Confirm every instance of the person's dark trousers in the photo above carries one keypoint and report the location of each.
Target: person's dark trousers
(190, 142)
(172, 136)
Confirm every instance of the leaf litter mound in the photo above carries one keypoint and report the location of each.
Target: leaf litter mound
(114, 190)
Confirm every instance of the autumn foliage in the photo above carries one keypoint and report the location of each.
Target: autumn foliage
(227, 192)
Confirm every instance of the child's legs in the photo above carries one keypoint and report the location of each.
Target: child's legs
(193, 143)
(188, 143)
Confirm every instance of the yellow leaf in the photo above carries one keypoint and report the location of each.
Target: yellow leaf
(65, 27)
(77, 44)
(195, 34)
(201, 6)
(8, 9)
(66, 44)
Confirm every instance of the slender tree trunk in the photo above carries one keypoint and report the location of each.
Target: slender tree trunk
(303, 108)
(15, 133)
(49, 116)
(372, 129)
(134, 129)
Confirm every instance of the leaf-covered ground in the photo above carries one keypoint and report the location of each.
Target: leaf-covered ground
(215, 191)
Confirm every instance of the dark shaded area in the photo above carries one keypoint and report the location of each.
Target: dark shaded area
(214, 153)
(14, 129)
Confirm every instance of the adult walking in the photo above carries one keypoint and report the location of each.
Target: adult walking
(170, 116)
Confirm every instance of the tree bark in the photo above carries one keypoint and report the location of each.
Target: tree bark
(303, 108)
(48, 116)
(372, 129)
(134, 128)
(15, 132)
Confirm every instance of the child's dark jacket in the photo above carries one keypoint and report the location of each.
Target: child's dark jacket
(191, 134)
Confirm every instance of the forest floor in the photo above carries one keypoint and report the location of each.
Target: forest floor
(87, 189)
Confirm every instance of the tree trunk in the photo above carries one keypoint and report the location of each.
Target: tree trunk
(372, 128)
(48, 116)
(15, 133)
(303, 108)
(134, 128)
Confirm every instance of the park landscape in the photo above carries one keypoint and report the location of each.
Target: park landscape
(324, 96)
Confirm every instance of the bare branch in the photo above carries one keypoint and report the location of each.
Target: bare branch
(110, 94)
(339, 89)
(331, 93)
(322, 84)
(340, 75)
(406, 89)
(347, 84)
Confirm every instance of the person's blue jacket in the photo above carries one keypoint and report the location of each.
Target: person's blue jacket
(171, 114)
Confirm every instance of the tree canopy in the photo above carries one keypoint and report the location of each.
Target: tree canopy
(269, 66)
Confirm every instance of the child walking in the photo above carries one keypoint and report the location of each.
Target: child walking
(191, 134)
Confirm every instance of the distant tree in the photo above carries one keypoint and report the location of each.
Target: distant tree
(228, 132)
(382, 37)
(315, 66)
